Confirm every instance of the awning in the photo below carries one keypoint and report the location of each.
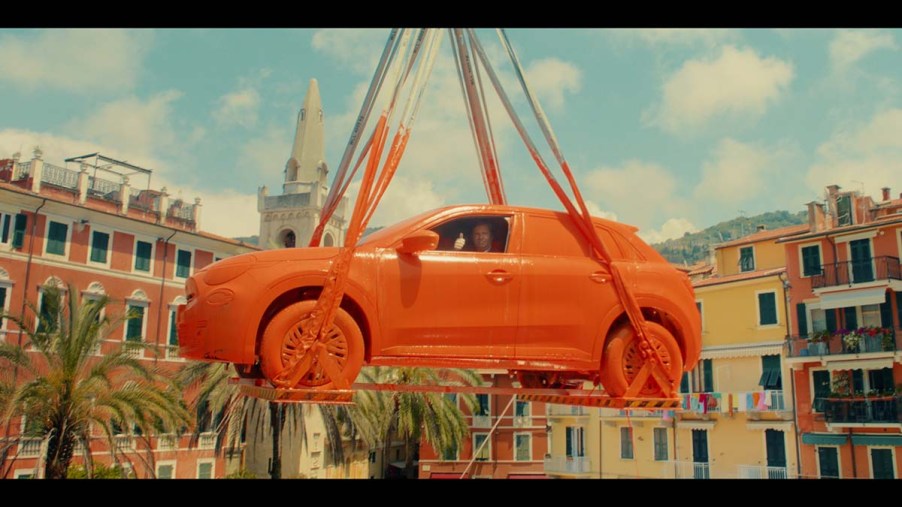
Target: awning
(527, 476)
(770, 379)
(850, 298)
(444, 476)
(784, 426)
(695, 424)
(824, 439)
(893, 440)
(861, 364)
(730, 351)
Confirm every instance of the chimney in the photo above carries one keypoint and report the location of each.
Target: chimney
(761, 227)
(815, 216)
(885, 193)
(832, 189)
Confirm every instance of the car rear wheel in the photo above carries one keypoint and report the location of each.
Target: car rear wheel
(340, 354)
(622, 360)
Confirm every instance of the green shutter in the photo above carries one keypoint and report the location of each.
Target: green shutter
(142, 256)
(173, 330)
(135, 325)
(821, 388)
(811, 260)
(775, 443)
(767, 304)
(899, 307)
(802, 317)
(183, 264)
(56, 238)
(100, 242)
(2, 303)
(4, 237)
(886, 315)
(883, 463)
(831, 320)
(708, 371)
(568, 449)
(851, 318)
(19, 230)
(684, 384)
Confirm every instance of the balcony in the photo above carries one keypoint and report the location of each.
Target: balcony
(858, 271)
(482, 421)
(167, 443)
(30, 447)
(686, 470)
(833, 345)
(207, 441)
(567, 464)
(704, 403)
(555, 410)
(777, 403)
(762, 472)
(877, 410)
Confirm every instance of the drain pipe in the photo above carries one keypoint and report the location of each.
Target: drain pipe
(162, 287)
(34, 225)
(792, 378)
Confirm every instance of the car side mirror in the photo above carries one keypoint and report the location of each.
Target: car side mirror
(418, 241)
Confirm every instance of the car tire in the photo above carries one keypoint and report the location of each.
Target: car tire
(621, 360)
(344, 342)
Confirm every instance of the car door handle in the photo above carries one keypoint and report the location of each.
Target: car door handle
(499, 276)
(600, 276)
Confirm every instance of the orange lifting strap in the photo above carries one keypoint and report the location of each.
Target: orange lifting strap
(398, 60)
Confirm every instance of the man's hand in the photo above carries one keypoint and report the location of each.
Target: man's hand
(459, 242)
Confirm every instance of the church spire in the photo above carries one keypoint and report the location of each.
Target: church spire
(307, 162)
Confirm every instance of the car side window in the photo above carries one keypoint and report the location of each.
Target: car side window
(615, 249)
(480, 233)
(554, 235)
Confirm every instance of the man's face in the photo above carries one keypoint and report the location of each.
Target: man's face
(482, 237)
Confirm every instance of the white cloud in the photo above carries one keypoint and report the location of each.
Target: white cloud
(671, 229)
(358, 49)
(551, 78)
(75, 60)
(131, 128)
(227, 213)
(640, 193)
(56, 148)
(738, 172)
(861, 156)
(238, 108)
(596, 211)
(676, 36)
(268, 152)
(849, 46)
(737, 82)
(405, 197)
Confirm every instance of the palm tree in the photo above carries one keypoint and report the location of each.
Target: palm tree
(413, 416)
(238, 415)
(61, 388)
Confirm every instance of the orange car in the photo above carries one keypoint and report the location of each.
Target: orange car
(479, 286)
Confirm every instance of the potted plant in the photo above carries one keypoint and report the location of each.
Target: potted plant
(817, 342)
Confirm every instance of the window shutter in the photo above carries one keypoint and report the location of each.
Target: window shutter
(19, 230)
(709, 375)
(802, 317)
(142, 256)
(4, 237)
(851, 319)
(767, 304)
(831, 320)
(99, 244)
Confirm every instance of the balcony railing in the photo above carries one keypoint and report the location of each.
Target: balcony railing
(857, 271)
(59, 176)
(21, 171)
(864, 410)
(777, 402)
(568, 465)
(762, 472)
(207, 441)
(801, 346)
(30, 447)
(522, 421)
(103, 189)
(482, 421)
(704, 403)
(124, 442)
(566, 410)
(167, 443)
(686, 470)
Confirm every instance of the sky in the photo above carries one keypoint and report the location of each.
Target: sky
(670, 130)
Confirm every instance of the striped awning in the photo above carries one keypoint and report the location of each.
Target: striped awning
(892, 440)
(769, 425)
(861, 364)
(851, 298)
(724, 352)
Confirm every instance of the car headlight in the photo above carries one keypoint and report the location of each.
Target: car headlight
(218, 275)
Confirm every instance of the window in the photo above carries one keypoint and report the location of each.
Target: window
(3, 306)
(661, 452)
(747, 259)
(523, 447)
(18, 238)
(626, 443)
(452, 399)
(767, 308)
(100, 242)
(522, 409)
(183, 264)
(482, 405)
(821, 381)
(699, 380)
(205, 470)
(449, 454)
(870, 316)
(575, 448)
(491, 229)
(486, 453)
(24, 474)
(134, 328)
(143, 251)
(700, 307)
(882, 463)
(811, 260)
(844, 210)
(828, 462)
(6, 224)
(56, 238)
(770, 372)
(165, 470)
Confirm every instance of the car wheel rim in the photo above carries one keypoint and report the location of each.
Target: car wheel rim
(336, 345)
(633, 363)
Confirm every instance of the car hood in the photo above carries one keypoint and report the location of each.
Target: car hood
(295, 254)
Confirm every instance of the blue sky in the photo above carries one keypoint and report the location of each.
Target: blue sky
(668, 130)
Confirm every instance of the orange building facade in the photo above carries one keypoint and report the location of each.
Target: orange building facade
(85, 228)
(844, 351)
(516, 449)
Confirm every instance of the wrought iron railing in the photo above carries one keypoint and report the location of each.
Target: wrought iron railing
(568, 464)
(857, 271)
(864, 410)
(686, 470)
(59, 176)
(805, 345)
(565, 410)
(762, 472)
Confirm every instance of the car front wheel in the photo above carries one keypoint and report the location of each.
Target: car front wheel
(622, 360)
(338, 357)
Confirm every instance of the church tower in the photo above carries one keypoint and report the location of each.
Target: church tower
(288, 220)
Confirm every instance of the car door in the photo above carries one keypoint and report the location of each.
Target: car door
(565, 293)
(447, 303)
